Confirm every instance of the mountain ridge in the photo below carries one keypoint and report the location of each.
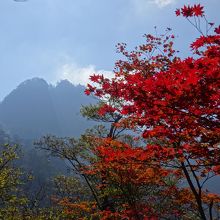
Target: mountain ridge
(36, 108)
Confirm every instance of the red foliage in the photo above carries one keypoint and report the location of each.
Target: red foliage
(175, 102)
(132, 170)
(189, 11)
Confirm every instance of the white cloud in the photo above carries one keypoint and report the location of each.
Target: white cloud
(144, 5)
(79, 75)
(163, 3)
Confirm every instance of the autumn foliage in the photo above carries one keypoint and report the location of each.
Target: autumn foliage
(174, 102)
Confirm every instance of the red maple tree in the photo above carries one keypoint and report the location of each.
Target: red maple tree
(175, 104)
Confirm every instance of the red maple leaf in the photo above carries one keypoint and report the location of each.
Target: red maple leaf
(198, 10)
(217, 30)
(95, 78)
(187, 11)
(177, 12)
(87, 92)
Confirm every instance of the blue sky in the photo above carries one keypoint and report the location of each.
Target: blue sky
(57, 39)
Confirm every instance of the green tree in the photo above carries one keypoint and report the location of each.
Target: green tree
(12, 200)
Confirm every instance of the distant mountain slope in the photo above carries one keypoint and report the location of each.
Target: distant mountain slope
(35, 108)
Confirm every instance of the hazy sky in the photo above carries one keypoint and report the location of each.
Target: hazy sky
(57, 39)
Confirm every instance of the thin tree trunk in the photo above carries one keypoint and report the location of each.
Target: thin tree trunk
(196, 195)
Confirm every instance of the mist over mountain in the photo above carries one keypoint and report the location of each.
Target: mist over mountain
(36, 108)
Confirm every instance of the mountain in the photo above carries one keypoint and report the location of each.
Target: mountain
(36, 108)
